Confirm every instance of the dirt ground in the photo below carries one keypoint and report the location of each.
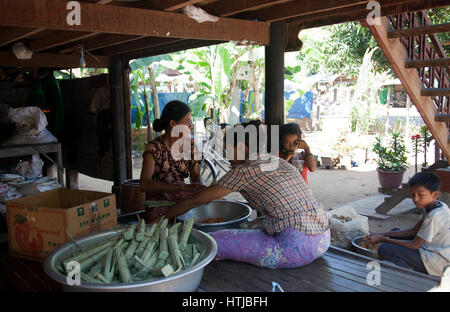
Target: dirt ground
(332, 187)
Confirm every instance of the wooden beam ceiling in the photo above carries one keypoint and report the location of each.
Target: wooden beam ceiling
(102, 41)
(300, 8)
(136, 45)
(8, 59)
(114, 40)
(60, 38)
(12, 34)
(52, 14)
(176, 46)
(233, 7)
(360, 12)
(166, 5)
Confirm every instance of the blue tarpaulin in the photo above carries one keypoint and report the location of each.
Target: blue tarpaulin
(302, 106)
(163, 98)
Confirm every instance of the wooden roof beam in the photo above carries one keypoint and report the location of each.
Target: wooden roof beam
(59, 39)
(432, 29)
(232, 7)
(136, 45)
(102, 41)
(360, 12)
(174, 47)
(52, 14)
(167, 5)
(297, 8)
(8, 36)
(52, 60)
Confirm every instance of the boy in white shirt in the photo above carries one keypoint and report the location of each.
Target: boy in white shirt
(426, 246)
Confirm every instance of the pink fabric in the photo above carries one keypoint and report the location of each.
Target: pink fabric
(288, 249)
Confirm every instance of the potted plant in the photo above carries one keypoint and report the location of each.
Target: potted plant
(392, 161)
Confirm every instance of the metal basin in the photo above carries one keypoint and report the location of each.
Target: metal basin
(233, 212)
(184, 281)
(361, 250)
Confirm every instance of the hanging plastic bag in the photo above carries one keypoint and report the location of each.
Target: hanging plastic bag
(21, 51)
(199, 14)
(345, 225)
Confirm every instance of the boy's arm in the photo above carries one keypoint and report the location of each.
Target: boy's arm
(404, 233)
(414, 244)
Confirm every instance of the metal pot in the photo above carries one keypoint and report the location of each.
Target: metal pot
(184, 281)
(233, 212)
(361, 250)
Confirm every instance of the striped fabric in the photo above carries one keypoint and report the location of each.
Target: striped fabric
(279, 193)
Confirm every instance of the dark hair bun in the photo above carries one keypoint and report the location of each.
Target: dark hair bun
(157, 125)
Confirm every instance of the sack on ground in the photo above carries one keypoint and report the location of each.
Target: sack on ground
(345, 225)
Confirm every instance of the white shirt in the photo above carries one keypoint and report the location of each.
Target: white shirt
(435, 230)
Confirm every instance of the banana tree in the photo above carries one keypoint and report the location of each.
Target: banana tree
(214, 69)
(140, 78)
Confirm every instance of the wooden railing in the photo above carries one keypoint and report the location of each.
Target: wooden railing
(425, 47)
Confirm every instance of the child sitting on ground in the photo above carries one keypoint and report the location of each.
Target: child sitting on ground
(290, 141)
(426, 246)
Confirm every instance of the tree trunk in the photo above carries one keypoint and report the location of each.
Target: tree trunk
(155, 99)
(147, 114)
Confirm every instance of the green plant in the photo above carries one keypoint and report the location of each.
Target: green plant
(392, 157)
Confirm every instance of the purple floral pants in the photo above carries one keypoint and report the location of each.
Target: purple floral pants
(288, 249)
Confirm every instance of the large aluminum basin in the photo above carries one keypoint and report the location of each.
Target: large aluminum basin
(185, 281)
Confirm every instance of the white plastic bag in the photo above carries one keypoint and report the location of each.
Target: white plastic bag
(345, 225)
(31, 126)
(199, 14)
(30, 169)
(21, 51)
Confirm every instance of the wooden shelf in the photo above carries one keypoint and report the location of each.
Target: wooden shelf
(30, 149)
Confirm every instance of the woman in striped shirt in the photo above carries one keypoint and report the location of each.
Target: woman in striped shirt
(295, 225)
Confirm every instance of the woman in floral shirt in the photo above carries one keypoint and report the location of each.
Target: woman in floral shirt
(296, 228)
(163, 174)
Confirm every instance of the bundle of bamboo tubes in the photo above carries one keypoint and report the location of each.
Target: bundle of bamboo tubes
(139, 253)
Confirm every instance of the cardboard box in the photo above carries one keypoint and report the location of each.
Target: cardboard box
(41, 222)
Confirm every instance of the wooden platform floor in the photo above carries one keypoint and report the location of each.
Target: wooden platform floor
(338, 270)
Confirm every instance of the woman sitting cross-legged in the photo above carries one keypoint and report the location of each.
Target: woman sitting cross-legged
(295, 226)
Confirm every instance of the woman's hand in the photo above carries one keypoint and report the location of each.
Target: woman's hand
(374, 238)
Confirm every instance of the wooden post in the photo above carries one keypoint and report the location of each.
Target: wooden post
(155, 99)
(388, 102)
(408, 113)
(127, 117)
(116, 95)
(72, 181)
(147, 114)
(274, 97)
